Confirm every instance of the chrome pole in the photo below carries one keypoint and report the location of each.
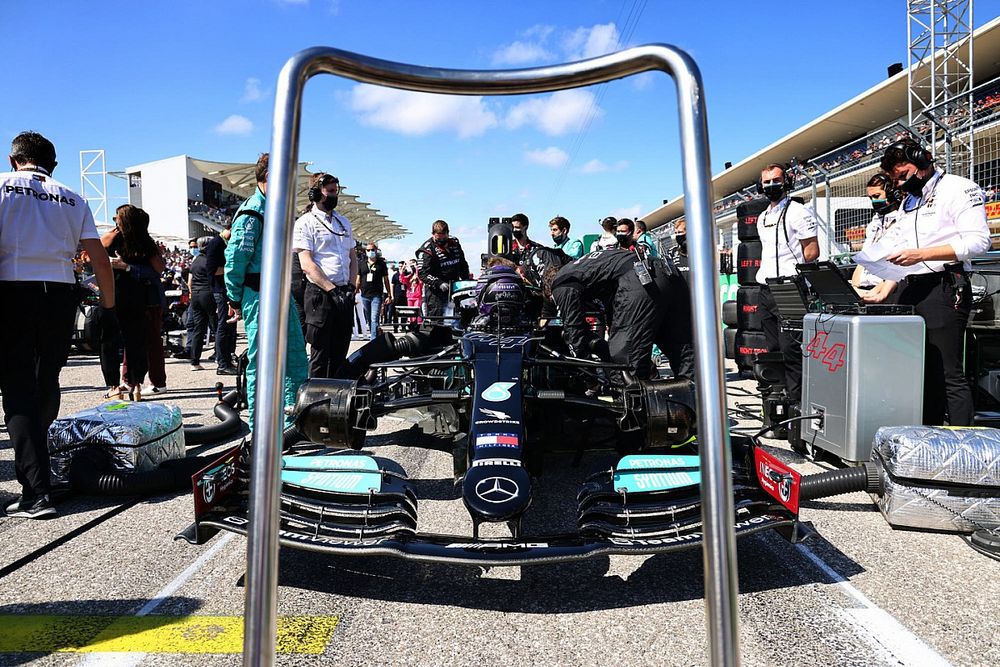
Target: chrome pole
(260, 614)
(713, 425)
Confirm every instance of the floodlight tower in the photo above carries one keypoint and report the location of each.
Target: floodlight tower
(939, 78)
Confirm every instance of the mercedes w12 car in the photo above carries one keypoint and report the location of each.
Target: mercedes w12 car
(517, 406)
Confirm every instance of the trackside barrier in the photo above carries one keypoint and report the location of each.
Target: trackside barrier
(717, 506)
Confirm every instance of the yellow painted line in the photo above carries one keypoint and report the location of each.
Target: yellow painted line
(155, 634)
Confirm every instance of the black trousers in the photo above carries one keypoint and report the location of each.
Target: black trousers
(659, 313)
(329, 324)
(944, 300)
(32, 353)
(434, 302)
(783, 341)
(203, 314)
(225, 332)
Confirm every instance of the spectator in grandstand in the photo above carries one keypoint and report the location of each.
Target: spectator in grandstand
(373, 283)
(42, 223)
(559, 229)
(788, 234)
(137, 265)
(242, 278)
(644, 239)
(885, 199)
(940, 226)
(607, 238)
(324, 242)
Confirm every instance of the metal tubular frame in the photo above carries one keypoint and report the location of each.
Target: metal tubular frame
(717, 508)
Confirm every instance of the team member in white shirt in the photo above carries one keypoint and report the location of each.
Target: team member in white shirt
(41, 224)
(324, 242)
(885, 199)
(787, 231)
(940, 226)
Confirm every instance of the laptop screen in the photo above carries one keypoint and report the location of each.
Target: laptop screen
(830, 284)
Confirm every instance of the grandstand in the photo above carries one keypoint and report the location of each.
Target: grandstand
(838, 152)
(187, 197)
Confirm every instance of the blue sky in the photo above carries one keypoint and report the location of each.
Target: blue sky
(149, 80)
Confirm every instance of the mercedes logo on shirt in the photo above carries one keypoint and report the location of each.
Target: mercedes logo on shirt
(496, 490)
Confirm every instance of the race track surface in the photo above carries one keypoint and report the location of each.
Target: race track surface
(106, 584)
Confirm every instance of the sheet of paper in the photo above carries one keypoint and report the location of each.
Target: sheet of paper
(874, 256)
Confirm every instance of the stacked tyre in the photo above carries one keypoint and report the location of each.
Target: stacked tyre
(749, 336)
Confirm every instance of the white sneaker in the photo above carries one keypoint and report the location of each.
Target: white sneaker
(150, 389)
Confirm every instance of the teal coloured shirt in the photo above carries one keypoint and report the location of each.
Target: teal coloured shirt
(646, 239)
(572, 247)
(243, 253)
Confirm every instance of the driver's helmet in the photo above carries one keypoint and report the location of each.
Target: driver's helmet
(503, 295)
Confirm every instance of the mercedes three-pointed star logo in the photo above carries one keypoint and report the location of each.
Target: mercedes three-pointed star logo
(496, 490)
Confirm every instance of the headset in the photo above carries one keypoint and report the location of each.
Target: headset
(316, 192)
(913, 153)
(787, 178)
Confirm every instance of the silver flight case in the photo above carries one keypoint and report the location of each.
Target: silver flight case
(861, 372)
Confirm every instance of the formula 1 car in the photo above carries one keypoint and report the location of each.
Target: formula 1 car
(513, 400)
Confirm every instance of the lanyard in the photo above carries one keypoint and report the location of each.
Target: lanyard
(343, 230)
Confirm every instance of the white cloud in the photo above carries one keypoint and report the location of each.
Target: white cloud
(559, 113)
(595, 166)
(631, 212)
(458, 193)
(591, 42)
(547, 157)
(252, 91)
(521, 53)
(417, 114)
(235, 124)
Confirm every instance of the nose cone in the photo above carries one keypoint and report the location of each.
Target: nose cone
(496, 490)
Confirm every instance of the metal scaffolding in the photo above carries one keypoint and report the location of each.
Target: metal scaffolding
(94, 184)
(940, 82)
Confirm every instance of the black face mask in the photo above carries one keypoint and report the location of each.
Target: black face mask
(559, 239)
(519, 234)
(328, 203)
(682, 242)
(624, 240)
(774, 192)
(881, 206)
(914, 185)
(443, 241)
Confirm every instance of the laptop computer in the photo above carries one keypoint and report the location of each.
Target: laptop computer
(836, 295)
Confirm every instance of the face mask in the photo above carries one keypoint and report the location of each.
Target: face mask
(914, 185)
(519, 234)
(441, 241)
(774, 191)
(880, 205)
(682, 242)
(624, 240)
(372, 254)
(559, 239)
(329, 203)
(195, 252)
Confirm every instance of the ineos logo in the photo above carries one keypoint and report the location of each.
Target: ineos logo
(496, 490)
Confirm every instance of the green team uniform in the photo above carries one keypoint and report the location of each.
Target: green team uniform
(243, 260)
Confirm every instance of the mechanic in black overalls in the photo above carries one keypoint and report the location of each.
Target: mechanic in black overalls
(646, 301)
(441, 261)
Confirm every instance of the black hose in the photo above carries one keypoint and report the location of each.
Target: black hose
(836, 482)
(229, 424)
(87, 476)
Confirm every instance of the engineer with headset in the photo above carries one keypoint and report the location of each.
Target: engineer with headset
(939, 227)
(324, 242)
(787, 231)
(885, 199)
